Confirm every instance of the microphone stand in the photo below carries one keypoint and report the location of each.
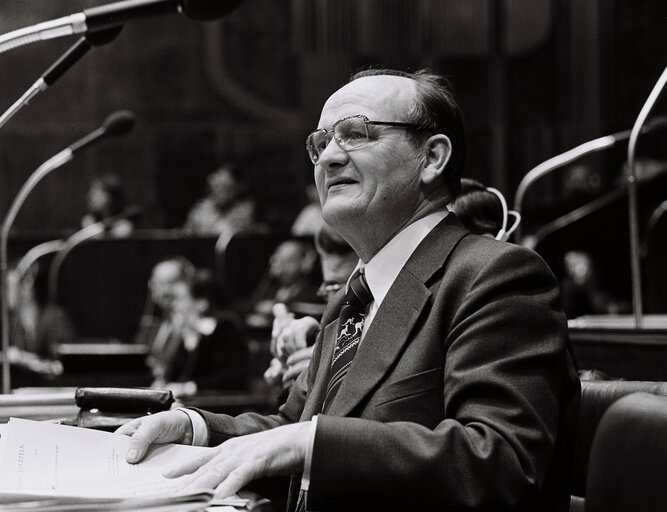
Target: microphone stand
(637, 306)
(51, 164)
(115, 124)
(558, 161)
(78, 238)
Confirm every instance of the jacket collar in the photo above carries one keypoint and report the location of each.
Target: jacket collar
(391, 327)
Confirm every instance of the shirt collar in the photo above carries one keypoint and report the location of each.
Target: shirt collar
(383, 268)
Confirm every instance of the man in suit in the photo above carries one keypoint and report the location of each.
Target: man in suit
(462, 393)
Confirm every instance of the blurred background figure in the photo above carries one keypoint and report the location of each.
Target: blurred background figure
(581, 293)
(309, 220)
(483, 210)
(292, 278)
(226, 209)
(196, 347)
(35, 326)
(292, 339)
(106, 200)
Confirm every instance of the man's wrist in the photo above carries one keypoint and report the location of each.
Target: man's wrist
(307, 461)
(197, 434)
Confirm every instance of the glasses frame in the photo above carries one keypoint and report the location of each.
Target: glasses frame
(331, 134)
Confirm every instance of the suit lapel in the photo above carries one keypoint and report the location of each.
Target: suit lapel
(395, 319)
(316, 398)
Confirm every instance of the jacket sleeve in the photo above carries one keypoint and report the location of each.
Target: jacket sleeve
(505, 358)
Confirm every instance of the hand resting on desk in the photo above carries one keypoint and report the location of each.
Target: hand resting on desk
(228, 467)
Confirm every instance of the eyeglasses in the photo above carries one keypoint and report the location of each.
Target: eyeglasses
(327, 290)
(350, 133)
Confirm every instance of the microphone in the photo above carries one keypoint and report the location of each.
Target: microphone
(112, 15)
(115, 124)
(118, 123)
(60, 67)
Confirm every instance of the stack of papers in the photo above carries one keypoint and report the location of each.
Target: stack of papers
(52, 467)
(60, 503)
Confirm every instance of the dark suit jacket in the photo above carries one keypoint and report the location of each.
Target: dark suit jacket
(220, 360)
(462, 395)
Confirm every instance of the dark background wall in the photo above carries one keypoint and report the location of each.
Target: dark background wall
(535, 77)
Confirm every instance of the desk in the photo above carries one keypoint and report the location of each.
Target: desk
(611, 343)
(39, 404)
(59, 404)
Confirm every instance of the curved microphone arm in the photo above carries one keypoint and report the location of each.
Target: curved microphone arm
(558, 161)
(637, 306)
(80, 236)
(51, 164)
(66, 26)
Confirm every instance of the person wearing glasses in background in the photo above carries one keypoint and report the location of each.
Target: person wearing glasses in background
(447, 381)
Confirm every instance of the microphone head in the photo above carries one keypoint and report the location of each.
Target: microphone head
(102, 37)
(119, 122)
(208, 10)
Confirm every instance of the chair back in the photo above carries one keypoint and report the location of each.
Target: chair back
(628, 459)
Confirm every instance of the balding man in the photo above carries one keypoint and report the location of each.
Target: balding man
(442, 377)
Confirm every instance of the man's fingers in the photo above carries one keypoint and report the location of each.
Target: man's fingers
(189, 465)
(218, 475)
(293, 371)
(129, 428)
(139, 443)
(303, 354)
(140, 440)
(234, 482)
(163, 427)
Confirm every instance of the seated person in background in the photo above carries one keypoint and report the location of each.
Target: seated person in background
(309, 220)
(483, 210)
(36, 327)
(106, 200)
(442, 378)
(226, 208)
(581, 293)
(292, 339)
(196, 347)
(291, 278)
(165, 276)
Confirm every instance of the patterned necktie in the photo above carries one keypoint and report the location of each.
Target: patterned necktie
(350, 325)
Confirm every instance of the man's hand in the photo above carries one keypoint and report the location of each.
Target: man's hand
(238, 461)
(295, 336)
(282, 317)
(296, 363)
(163, 427)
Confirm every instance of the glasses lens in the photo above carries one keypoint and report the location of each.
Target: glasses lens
(351, 133)
(316, 143)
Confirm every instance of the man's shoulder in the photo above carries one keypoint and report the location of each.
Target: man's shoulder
(478, 253)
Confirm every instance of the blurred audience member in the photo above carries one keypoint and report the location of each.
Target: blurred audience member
(309, 221)
(226, 209)
(483, 210)
(292, 339)
(36, 327)
(106, 201)
(581, 293)
(196, 347)
(292, 278)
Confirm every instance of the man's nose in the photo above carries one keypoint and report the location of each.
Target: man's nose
(332, 155)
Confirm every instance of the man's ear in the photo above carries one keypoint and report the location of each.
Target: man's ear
(438, 151)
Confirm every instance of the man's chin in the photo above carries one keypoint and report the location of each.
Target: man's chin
(339, 212)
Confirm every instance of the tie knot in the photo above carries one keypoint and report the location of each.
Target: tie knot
(358, 293)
